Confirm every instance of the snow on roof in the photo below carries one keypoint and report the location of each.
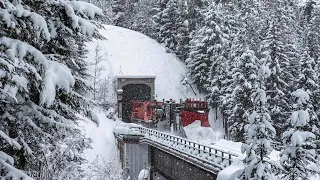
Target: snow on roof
(135, 76)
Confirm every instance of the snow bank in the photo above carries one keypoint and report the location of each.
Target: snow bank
(127, 52)
(197, 133)
(125, 129)
(235, 147)
(103, 141)
(232, 171)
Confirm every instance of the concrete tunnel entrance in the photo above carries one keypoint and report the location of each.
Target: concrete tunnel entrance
(132, 92)
(130, 88)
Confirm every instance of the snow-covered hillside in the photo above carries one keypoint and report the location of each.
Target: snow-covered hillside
(131, 53)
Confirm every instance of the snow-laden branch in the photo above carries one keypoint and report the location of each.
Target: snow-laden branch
(11, 141)
(85, 9)
(7, 169)
(76, 9)
(35, 21)
(56, 75)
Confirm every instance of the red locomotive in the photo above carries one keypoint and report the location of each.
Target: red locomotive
(188, 111)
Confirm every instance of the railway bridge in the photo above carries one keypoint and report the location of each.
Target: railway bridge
(167, 156)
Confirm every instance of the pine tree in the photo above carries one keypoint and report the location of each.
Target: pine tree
(207, 53)
(259, 134)
(242, 17)
(274, 48)
(309, 22)
(119, 10)
(183, 33)
(307, 80)
(243, 75)
(42, 86)
(157, 18)
(312, 46)
(299, 140)
(142, 20)
(168, 26)
(189, 20)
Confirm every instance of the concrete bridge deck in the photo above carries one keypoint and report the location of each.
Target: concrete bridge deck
(175, 157)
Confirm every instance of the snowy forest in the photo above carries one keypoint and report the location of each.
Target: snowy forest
(257, 62)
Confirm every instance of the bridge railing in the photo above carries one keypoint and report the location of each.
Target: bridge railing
(193, 149)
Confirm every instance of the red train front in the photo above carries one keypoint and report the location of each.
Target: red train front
(195, 110)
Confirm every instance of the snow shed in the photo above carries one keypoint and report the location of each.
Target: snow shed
(133, 87)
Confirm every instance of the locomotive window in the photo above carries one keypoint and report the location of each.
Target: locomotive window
(148, 108)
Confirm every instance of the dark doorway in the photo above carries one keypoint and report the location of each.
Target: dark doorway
(130, 93)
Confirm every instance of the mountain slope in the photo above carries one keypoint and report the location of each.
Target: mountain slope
(131, 53)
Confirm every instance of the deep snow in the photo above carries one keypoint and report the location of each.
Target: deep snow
(127, 52)
(103, 141)
(197, 133)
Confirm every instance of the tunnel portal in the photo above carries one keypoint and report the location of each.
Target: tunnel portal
(132, 92)
(130, 88)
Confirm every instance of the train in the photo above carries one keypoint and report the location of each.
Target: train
(178, 114)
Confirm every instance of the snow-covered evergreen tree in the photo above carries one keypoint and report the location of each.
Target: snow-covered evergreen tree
(119, 10)
(243, 72)
(274, 48)
(157, 17)
(259, 134)
(42, 86)
(183, 33)
(310, 22)
(299, 151)
(307, 80)
(190, 20)
(169, 26)
(207, 53)
(142, 18)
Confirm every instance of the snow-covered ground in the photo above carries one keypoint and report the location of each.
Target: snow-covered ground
(131, 53)
(103, 141)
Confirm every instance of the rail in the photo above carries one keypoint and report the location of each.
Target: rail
(201, 152)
